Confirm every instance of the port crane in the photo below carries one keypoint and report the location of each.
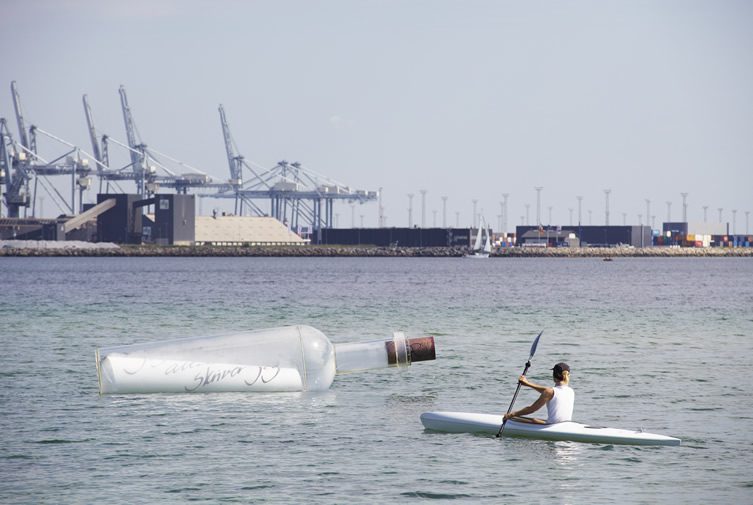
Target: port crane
(24, 169)
(146, 168)
(297, 195)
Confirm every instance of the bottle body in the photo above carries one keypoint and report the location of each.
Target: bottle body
(291, 358)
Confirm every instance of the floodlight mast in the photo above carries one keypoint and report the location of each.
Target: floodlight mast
(684, 207)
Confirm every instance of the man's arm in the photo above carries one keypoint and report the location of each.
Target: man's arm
(545, 396)
(522, 380)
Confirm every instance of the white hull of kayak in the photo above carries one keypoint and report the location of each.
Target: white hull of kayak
(465, 422)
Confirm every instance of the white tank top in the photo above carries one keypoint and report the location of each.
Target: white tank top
(560, 407)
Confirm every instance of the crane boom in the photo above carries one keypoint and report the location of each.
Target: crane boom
(235, 161)
(138, 150)
(96, 150)
(22, 135)
(129, 124)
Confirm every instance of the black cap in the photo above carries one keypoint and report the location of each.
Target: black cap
(559, 368)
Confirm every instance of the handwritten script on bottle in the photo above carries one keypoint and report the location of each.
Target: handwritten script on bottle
(205, 374)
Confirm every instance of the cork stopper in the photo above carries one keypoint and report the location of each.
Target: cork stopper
(422, 349)
(403, 351)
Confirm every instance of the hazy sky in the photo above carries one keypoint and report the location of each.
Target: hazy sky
(469, 99)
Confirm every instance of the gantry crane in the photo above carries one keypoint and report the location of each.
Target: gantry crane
(236, 162)
(23, 164)
(13, 174)
(100, 150)
(297, 196)
(144, 161)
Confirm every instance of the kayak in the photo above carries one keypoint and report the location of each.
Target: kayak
(465, 422)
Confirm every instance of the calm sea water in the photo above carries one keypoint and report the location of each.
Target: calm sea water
(662, 344)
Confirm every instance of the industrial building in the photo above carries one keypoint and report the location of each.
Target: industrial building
(174, 222)
(591, 236)
(398, 237)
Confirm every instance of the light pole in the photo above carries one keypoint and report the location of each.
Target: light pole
(640, 223)
(444, 212)
(410, 210)
(423, 208)
(528, 220)
(538, 204)
(473, 221)
(382, 224)
(684, 207)
(580, 204)
(504, 213)
(606, 211)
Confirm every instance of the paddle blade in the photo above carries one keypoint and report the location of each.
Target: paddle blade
(534, 345)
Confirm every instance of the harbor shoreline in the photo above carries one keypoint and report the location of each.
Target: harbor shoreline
(110, 250)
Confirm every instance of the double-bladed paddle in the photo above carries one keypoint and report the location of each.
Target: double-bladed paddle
(517, 390)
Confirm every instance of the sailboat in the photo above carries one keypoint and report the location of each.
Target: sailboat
(480, 251)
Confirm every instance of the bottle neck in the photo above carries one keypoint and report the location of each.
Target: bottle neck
(397, 352)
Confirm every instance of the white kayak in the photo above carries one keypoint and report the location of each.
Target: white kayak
(466, 422)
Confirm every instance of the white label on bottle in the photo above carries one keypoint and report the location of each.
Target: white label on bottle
(125, 374)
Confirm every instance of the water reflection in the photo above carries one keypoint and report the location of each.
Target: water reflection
(566, 453)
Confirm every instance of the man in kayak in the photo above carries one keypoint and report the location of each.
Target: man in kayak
(559, 400)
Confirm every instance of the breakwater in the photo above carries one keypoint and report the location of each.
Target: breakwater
(47, 249)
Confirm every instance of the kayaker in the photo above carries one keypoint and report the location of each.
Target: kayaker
(559, 400)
